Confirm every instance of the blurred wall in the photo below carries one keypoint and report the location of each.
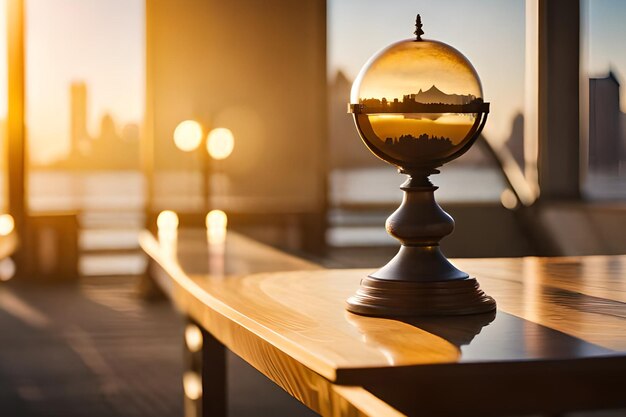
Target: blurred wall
(257, 68)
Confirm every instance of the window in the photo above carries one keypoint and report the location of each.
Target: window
(357, 29)
(604, 77)
(84, 103)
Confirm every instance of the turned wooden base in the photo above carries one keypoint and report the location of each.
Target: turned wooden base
(389, 298)
(419, 280)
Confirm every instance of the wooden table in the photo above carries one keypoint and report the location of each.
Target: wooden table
(557, 342)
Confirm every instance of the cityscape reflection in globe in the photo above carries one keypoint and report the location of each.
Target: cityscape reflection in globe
(418, 103)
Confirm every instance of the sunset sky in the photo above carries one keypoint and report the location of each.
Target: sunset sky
(490, 33)
(101, 42)
(408, 67)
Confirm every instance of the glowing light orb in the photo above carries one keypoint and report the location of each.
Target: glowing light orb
(192, 385)
(167, 220)
(188, 135)
(193, 337)
(220, 143)
(7, 224)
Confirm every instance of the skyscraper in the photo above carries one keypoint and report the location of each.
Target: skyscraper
(604, 124)
(79, 137)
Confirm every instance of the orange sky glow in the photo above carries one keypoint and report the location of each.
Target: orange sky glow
(101, 42)
(98, 42)
(410, 66)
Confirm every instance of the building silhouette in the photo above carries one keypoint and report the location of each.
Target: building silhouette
(605, 118)
(432, 100)
(415, 146)
(110, 149)
(79, 137)
(346, 147)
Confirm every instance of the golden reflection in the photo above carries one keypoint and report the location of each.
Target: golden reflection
(216, 222)
(397, 341)
(167, 231)
(451, 126)
(220, 143)
(193, 337)
(188, 135)
(409, 67)
(531, 293)
(7, 224)
(418, 103)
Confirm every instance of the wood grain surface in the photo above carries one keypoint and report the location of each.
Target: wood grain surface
(561, 322)
(238, 257)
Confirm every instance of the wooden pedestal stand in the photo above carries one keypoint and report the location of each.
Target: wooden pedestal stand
(419, 280)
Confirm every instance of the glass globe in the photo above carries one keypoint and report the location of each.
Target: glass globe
(418, 103)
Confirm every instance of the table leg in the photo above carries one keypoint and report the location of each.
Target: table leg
(204, 380)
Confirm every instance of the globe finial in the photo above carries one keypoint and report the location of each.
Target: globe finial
(418, 28)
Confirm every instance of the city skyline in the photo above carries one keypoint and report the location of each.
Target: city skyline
(607, 126)
(110, 148)
(424, 145)
(356, 31)
(432, 101)
(112, 61)
(97, 42)
(451, 126)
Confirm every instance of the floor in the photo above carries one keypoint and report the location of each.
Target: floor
(94, 348)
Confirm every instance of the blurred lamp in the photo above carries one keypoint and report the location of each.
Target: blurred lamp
(418, 104)
(220, 143)
(188, 135)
